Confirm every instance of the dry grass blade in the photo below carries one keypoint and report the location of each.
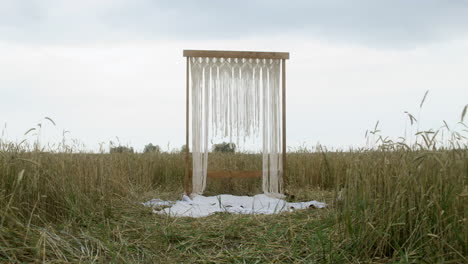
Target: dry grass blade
(446, 125)
(30, 161)
(411, 117)
(50, 119)
(463, 113)
(20, 176)
(424, 99)
(30, 130)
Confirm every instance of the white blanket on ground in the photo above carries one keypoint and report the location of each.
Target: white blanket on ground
(200, 206)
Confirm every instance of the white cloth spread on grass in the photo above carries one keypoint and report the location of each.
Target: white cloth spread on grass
(200, 206)
(237, 98)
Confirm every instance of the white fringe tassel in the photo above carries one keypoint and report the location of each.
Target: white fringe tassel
(232, 97)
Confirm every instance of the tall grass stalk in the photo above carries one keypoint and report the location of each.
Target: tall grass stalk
(393, 202)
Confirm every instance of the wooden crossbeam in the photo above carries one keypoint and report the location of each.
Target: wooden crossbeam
(236, 54)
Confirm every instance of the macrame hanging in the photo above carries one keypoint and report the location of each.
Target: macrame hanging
(236, 98)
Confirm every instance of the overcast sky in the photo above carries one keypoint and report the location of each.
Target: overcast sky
(107, 69)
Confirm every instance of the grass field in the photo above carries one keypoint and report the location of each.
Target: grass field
(390, 204)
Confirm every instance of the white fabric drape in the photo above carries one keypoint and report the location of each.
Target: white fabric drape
(233, 98)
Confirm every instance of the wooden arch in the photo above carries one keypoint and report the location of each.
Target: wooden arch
(283, 56)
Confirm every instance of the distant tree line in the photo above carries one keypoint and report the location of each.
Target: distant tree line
(150, 148)
(223, 147)
(121, 149)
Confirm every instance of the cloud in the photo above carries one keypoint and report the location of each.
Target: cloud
(136, 90)
(368, 22)
(115, 68)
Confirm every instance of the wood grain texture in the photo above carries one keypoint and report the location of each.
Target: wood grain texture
(188, 171)
(236, 54)
(283, 64)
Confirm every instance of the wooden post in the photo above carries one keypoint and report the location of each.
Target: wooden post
(283, 64)
(188, 189)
